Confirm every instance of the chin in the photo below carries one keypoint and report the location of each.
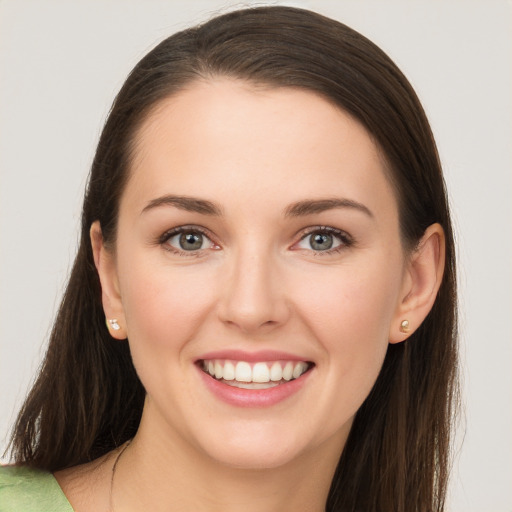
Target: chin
(254, 458)
(266, 446)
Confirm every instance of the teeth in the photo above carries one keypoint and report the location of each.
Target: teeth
(252, 385)
(288, 371)
(229, 371)
(299, 369)
(243, 372)
(259, 375)
(218, 370)
(276, 372)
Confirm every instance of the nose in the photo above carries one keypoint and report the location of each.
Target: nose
(253, 298)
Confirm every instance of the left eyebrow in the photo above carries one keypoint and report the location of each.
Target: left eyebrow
(190, 204)
(309, 207)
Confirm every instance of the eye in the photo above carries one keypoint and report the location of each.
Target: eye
(324, 240)
(187, 240)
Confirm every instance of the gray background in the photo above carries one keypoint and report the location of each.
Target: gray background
(61, 64)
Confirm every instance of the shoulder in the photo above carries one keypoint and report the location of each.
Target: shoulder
(24, 489)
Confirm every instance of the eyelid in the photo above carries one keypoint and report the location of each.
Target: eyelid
(167, 235)
(345, 238)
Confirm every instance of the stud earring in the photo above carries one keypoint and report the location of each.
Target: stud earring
(404, 326)
(113, 323)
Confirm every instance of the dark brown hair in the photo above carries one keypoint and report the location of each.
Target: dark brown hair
(88, 399)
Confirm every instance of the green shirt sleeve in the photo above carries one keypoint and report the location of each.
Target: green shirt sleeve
(24, 489)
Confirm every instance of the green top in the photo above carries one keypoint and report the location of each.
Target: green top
(24, 489)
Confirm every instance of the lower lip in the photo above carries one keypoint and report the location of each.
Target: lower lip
(240, 397)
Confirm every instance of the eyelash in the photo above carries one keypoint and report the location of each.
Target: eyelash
(343, 237)
(164, 239)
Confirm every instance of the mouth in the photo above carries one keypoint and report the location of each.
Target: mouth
(254, 375)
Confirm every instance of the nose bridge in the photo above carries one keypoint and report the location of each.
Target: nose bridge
(254, 296)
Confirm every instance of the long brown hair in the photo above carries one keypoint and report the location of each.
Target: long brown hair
(88, 399)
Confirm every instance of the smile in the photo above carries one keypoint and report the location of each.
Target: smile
(254, 375)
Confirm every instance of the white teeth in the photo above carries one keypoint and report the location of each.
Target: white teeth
(276, 372)
(288, 371)
(229, 371)
(299, 369)
(243, 372)
(260, 373)
(218, 370)
(265, 374)
(252, 385)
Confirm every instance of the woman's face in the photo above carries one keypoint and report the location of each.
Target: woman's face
(258, 240)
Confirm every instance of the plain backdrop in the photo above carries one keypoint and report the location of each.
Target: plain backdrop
(61, 64)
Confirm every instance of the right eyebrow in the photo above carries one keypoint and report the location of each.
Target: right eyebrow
(190, 204)
(310, 207)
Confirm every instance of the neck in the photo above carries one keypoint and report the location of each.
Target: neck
(162, 474)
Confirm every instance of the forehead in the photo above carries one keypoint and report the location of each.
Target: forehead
(223, 136)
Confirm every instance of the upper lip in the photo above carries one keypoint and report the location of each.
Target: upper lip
(250, 357)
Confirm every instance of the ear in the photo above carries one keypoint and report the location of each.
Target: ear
(104, 261)
(421, 283)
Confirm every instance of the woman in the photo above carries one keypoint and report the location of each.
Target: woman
(267, 235)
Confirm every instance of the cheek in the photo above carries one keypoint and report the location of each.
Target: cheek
(356, 299)
(163, 305)
(350, 312)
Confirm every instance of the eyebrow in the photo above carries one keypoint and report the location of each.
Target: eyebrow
(189, 204)
(309, 207)
(298, 209)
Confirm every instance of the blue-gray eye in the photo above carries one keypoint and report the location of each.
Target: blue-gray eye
(189, 241)
(321, 241)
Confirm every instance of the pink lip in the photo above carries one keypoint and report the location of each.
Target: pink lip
(252, 397)
(251, 357)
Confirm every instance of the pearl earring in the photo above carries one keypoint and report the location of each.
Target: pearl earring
(404, 326)
(113, 323)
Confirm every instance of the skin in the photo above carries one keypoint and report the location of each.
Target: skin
(256, 284)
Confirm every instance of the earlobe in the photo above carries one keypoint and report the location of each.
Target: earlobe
(110, 295)
(423, 278)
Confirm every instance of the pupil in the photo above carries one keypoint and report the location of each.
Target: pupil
(321, 242)
(191, 241)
